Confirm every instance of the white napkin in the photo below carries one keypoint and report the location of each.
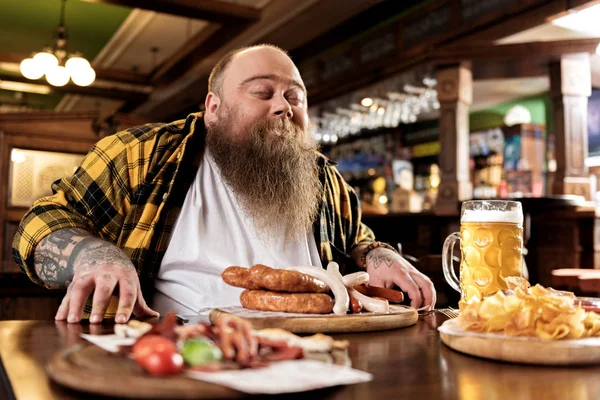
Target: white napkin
(280, 377)
(285, 377)
(109, 343)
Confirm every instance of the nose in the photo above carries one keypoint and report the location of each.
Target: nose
(282, 108)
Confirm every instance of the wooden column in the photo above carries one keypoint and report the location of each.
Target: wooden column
(570, 87)
(455, 93)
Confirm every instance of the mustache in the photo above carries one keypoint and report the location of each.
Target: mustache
(276, 129)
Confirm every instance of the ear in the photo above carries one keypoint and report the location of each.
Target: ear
(211, 104)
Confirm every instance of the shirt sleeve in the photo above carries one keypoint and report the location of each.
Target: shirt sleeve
(348, 209)
(361, 233)
(95, 198)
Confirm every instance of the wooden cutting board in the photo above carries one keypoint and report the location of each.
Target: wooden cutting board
(88, 368)
(399, 317)
(520, 349)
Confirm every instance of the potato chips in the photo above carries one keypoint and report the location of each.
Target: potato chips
(530, 311)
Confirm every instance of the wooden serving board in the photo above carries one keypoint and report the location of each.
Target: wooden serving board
(88, 368)
(399, 317)
(523, 350)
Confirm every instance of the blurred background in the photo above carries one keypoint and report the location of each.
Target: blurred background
(423, 104)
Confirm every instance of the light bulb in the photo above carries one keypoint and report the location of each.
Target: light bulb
(45, 60)
(366, 102)
(58, 76)
(30, 69)
(76, 64)
(83, 77)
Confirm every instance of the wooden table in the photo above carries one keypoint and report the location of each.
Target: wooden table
(406, 363)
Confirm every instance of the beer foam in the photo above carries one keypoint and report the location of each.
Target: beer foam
(511, 217)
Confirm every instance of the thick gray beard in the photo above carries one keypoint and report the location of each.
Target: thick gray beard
(273, 173)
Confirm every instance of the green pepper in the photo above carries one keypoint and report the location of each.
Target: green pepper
(200, 351)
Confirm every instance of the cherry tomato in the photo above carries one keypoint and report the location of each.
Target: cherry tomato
(157, 355)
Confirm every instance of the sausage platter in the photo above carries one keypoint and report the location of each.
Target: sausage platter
(397, 317)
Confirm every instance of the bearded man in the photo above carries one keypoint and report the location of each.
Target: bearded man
(158, 211)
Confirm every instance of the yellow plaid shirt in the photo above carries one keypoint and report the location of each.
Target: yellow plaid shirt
(130, 188)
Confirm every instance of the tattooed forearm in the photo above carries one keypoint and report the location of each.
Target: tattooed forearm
(378, 259)
(58, 254)
(51, 258)
(96, 252)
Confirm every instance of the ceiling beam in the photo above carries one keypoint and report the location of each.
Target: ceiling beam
(122, 76)
(221, 12)
(285, 23)
(541, 52)
(93, 91)
(206, 42)
(510, 68)
(549, 49)
(161, 71)
(508, 26)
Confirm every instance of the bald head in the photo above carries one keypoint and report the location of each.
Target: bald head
(215, 80)
(258, 82)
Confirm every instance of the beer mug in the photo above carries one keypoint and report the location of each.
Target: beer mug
(491, 244)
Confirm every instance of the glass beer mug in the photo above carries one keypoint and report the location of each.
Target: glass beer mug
(491, 244)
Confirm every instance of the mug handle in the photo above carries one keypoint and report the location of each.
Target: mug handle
(447, 256)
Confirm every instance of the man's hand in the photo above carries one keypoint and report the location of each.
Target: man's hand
(85, 264)
(386, 268)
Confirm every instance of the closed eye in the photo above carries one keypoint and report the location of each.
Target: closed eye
(263, 95)
(294, 100)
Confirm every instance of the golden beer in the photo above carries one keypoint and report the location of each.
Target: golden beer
(490, 252)
(491, 244)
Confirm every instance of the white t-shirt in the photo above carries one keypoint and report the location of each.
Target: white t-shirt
(211, 234)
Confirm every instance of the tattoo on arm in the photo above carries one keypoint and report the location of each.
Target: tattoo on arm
(60, 253)
(97, 252)
(51, 258)
(379, 259)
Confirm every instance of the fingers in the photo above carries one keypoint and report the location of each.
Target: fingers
(82, 288)
(127, 300)
(427, 289)
(408, 285)
(63, 309)
(102, 295)
(141, 309)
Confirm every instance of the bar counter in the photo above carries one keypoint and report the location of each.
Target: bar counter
(406, 363)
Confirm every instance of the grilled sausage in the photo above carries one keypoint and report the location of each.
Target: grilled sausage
(238, 277)
(393, 296)
(303, 303)
(279, 280)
